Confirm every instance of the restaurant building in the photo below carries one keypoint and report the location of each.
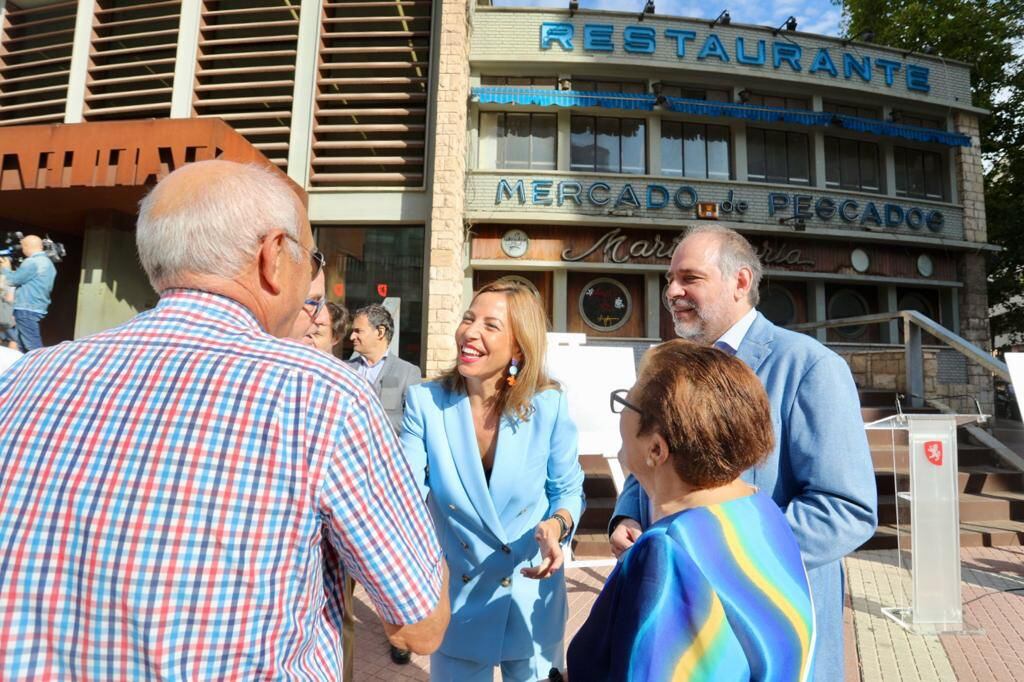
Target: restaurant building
(444, 145)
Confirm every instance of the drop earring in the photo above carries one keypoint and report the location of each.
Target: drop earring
(513, 370)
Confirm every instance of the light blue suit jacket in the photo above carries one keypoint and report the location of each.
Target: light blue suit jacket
(487, 532)
(820, 472)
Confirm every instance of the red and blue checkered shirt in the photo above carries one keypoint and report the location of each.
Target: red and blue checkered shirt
(164, 489)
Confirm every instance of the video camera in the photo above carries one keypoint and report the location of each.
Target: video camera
(11, 248)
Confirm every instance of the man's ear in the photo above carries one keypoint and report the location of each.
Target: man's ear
(744, 280)
(272, 250)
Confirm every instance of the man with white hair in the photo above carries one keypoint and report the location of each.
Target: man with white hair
(168, 483)
(34, 282)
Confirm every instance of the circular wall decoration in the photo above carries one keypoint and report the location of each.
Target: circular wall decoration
(605, 304)
(777, 305)
(515, 243)
(848, 303)
(925, 266)
(859, 260)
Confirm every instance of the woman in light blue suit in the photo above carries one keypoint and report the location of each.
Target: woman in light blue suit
(494, 450)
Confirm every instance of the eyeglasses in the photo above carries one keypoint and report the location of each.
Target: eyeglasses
(314, 306)
(317, 261)
(617, 402)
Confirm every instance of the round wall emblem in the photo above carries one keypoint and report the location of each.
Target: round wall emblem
(925, 266)
(515, 243)
(859, 260)
(605, 304)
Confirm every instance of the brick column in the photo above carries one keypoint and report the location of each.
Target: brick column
(974, 325)
(448, 169)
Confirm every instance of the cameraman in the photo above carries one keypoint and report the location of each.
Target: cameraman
(34, 282)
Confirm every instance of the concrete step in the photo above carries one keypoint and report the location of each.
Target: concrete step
(597, 514)
(1005, 506)
(996, 533)
(978, 479)
(597, 480)
(591, 546)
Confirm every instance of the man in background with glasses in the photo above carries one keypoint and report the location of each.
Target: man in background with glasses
(820, 471)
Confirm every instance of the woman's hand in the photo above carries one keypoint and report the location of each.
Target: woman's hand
(547, 535)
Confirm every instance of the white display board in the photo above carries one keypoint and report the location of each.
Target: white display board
(589, 374)
(1015, 363)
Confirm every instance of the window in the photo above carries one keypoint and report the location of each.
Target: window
(608, 145)
(850, 164)
(521, 81)
(777, 305)
(778, 156)
(710, 95)
(527, 141)
(848, 303)
(903, 118)
(851, 110)
(589, 85)
(919, 174)
(695, 150)
(368, 263)
(777, 101)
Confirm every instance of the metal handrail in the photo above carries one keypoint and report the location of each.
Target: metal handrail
(912, 319)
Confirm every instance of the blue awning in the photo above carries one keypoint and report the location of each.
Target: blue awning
(496, 94)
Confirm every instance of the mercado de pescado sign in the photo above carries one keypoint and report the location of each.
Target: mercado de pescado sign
(680, 201)
(781, 54)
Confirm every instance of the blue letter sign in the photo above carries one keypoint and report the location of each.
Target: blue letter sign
(556, 32)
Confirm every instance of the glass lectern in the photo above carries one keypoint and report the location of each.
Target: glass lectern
(924, 448)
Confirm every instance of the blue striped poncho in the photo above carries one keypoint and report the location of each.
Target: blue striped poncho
(711, 593)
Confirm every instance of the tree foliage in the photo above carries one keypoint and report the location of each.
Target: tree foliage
(989, 35)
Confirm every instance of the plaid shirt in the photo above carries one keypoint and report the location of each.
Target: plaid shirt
(164, 489)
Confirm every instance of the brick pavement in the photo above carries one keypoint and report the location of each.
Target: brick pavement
(878, 650)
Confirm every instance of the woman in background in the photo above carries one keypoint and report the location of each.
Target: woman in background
(715, 589)
(494, 450)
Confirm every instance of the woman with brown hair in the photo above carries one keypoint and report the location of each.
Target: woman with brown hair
(715, 589)
(494, 451)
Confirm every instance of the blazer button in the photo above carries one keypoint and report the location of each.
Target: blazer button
(465, 545)
(506, 549)
(506, 582)
(465, 578)
(452, 507)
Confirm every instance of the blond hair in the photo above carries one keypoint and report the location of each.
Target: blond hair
(528, 325)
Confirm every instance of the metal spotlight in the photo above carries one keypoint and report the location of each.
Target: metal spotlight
(788, 24)
(865, 36)
(574, 6)
(723, 19)
(648, 9)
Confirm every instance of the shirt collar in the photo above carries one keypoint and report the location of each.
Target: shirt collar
(734, 336)
(362, 358)
(219, 308)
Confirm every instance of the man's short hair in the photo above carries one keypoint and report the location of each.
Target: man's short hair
(339, 320)
(734, 252)
(378, 316)
(217, 227)
(710, 408)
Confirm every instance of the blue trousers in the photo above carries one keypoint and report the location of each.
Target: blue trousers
(447, 669)
(26, 324)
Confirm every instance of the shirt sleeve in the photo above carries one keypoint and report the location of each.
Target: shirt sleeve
(376, 518)
(564, 485)
(835, 511)
(22, 275)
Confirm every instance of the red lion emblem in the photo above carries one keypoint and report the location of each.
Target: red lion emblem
(933, 451)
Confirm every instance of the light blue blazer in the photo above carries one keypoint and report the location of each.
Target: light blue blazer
(820, 472)
(487, 532)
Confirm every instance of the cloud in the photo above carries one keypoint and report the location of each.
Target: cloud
(813, 16)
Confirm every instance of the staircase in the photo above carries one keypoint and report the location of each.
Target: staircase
(991, 496)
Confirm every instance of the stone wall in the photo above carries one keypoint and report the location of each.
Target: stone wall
(447, 236)
(885, 370)
(974, 314)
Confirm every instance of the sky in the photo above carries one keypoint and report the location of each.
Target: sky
(813, 16)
